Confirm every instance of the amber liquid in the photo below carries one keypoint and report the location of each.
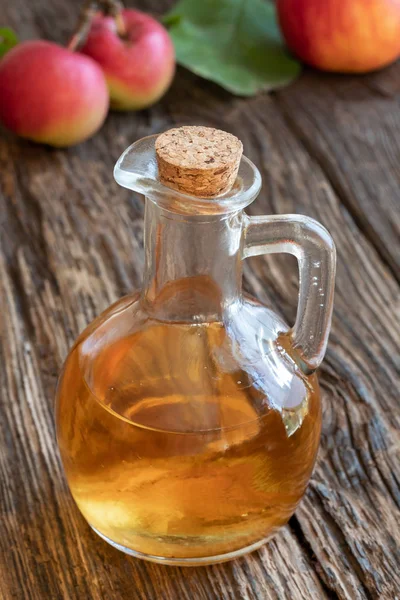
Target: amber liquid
(173, 451)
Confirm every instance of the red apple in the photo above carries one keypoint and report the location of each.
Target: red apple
(50, 94)
(139, 66)
(351, 36)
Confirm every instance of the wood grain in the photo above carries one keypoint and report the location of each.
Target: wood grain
(71, 243)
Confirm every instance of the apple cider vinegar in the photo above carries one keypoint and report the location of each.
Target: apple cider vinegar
(169, 455)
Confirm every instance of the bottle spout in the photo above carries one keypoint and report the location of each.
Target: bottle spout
(137, 169)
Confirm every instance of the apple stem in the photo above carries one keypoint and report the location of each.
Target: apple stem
(85, 20)
(114, 8)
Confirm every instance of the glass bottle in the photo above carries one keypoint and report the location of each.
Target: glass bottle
(188, 414)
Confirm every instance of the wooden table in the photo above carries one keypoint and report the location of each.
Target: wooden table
(71, 243)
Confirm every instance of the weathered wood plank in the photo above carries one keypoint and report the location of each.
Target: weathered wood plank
(352, 128)
(63, 260)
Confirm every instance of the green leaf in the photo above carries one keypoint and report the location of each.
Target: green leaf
(8, 40)
(235, 43)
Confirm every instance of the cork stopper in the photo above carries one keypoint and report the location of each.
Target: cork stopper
(200, 161)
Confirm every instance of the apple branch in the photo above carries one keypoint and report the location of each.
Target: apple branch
(89, 10)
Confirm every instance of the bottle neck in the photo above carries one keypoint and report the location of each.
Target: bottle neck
(192, 264)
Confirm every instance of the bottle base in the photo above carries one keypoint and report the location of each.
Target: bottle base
(185, 562)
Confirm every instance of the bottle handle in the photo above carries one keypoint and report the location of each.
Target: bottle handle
(315, 251)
